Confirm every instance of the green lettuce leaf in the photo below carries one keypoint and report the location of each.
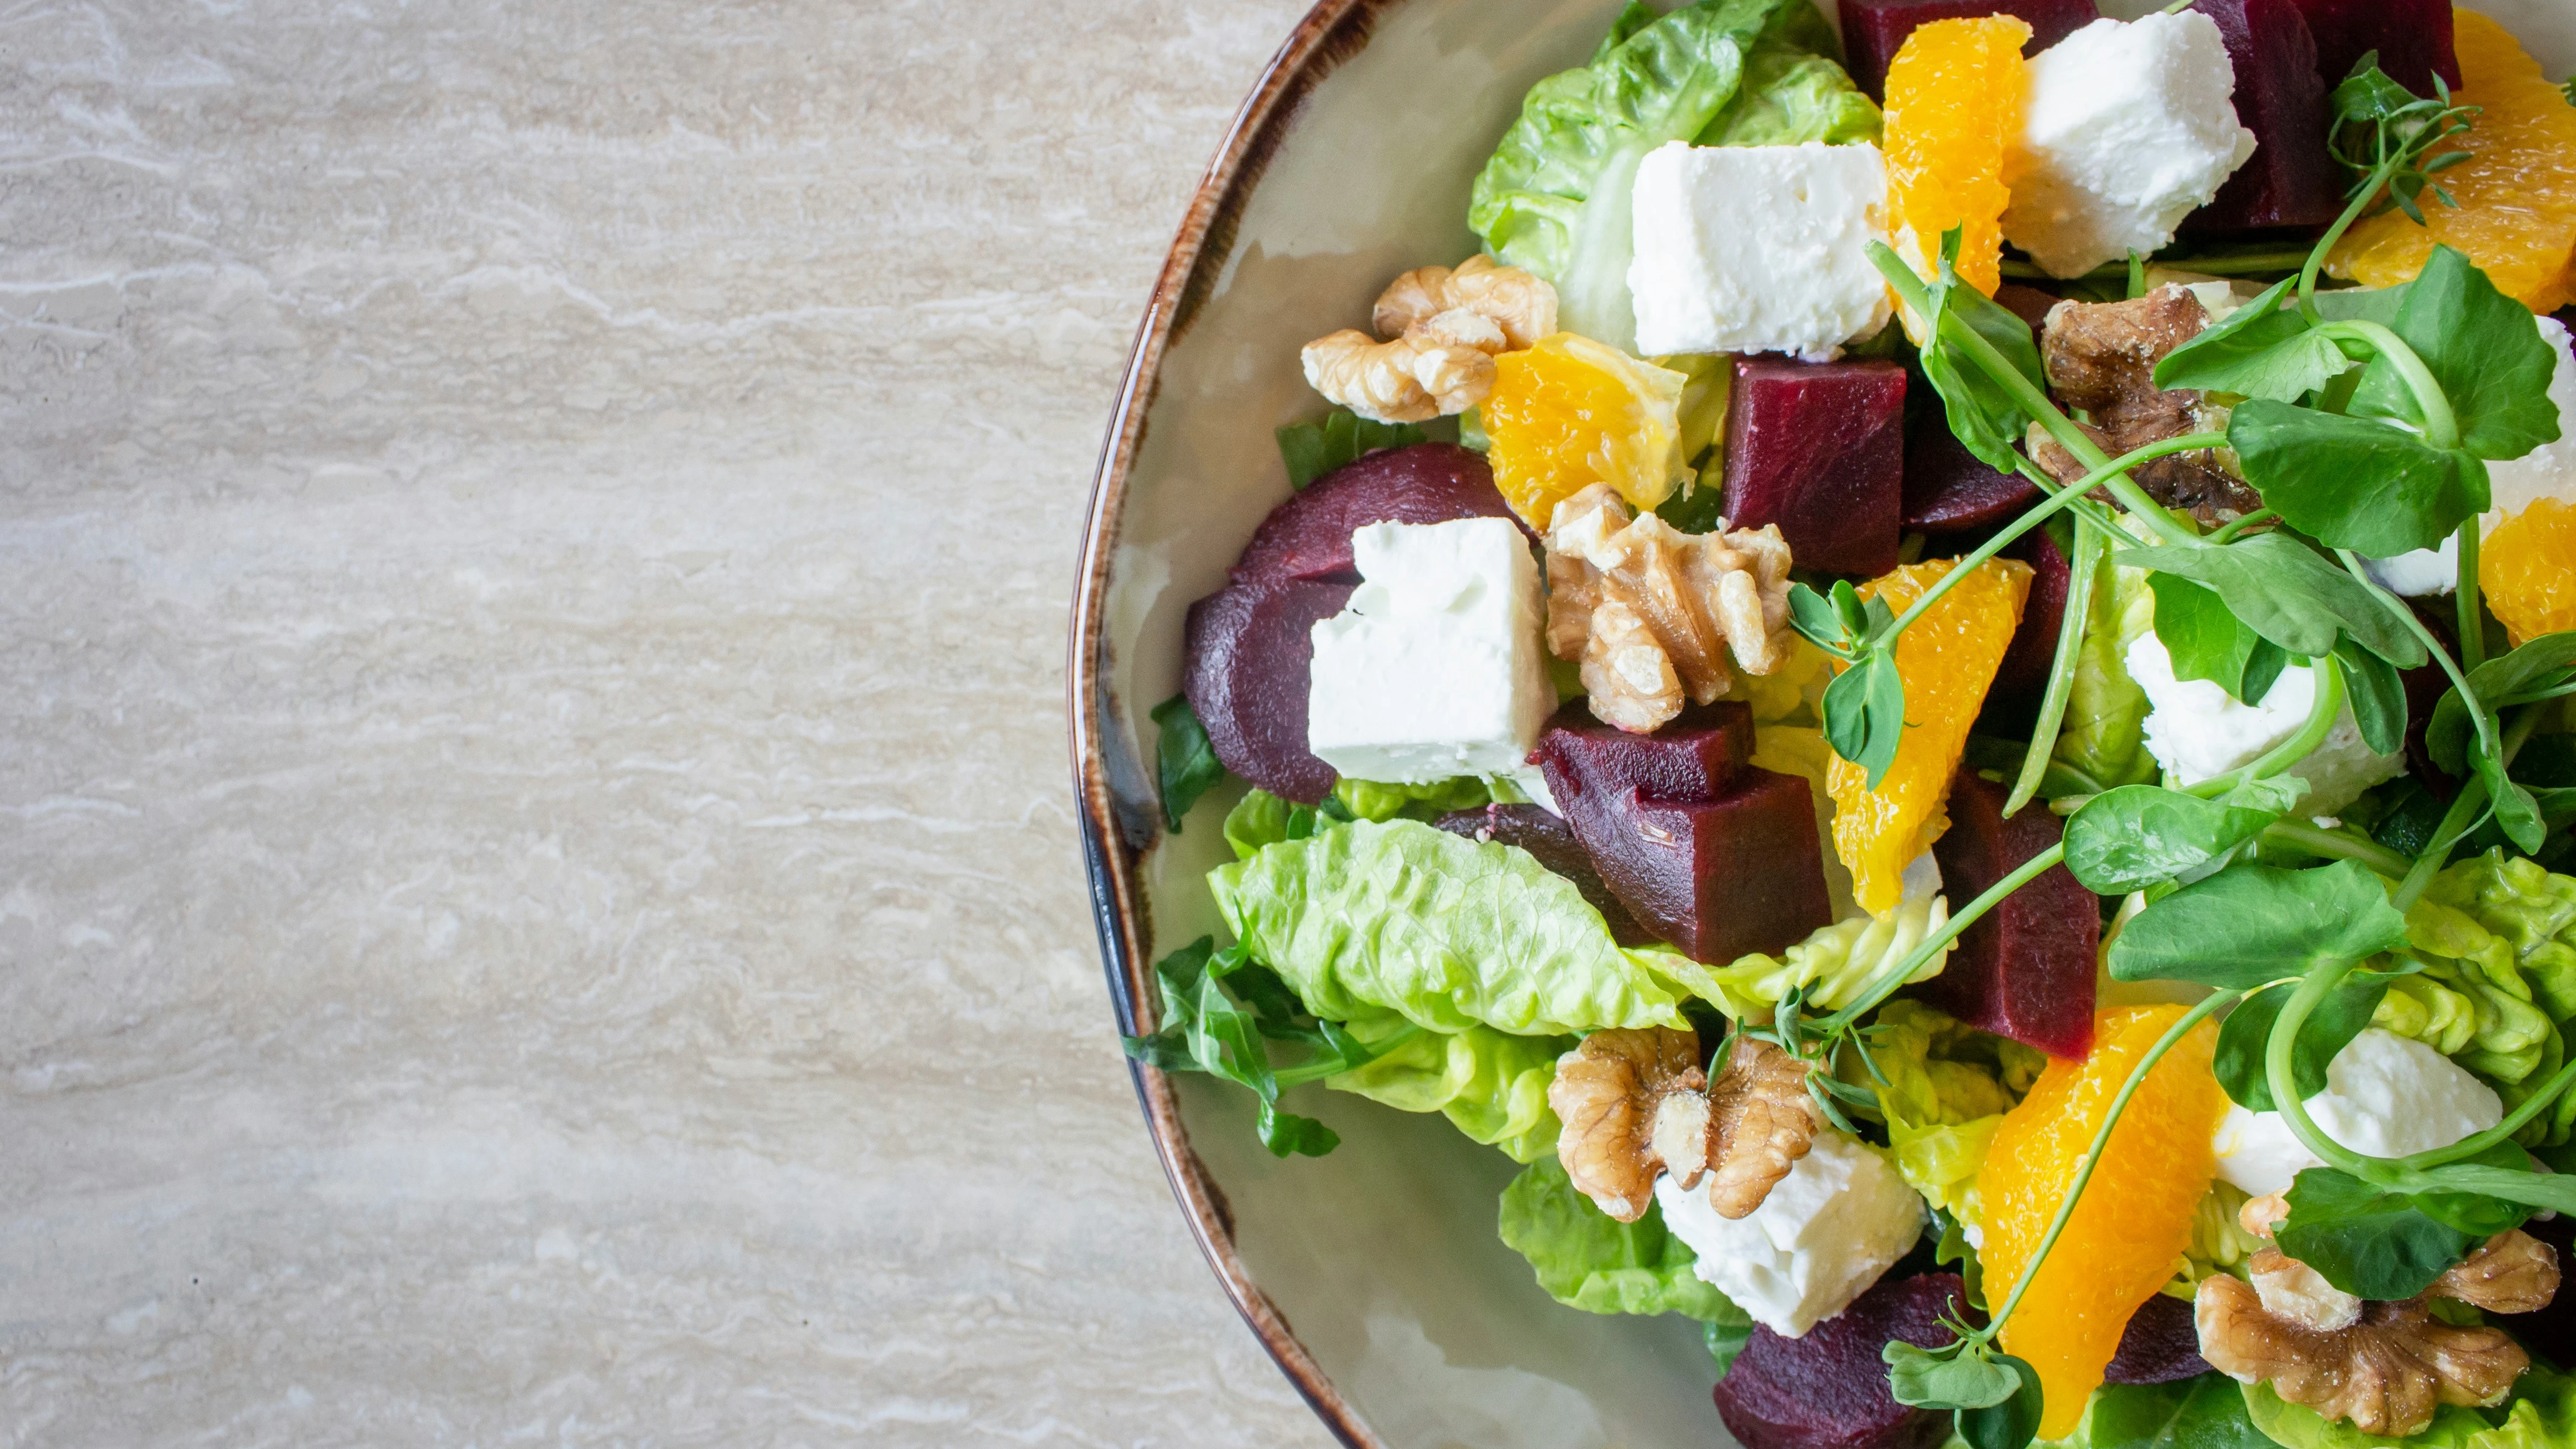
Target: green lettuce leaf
(1792, 94)
(2104, 736)
(1946, 1088)
(1554, 197)
(1587, 1259)
(2531, 909)
(1446, 931)
(2496, 938)
(1834, 963)
(1369, 800)
(2540, 1414)
(1490, 1085)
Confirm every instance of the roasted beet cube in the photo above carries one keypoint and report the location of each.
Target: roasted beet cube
(2025, 970)
(1717, 879)
(1951, 490)
(1691, 758)
(2013, 698)
(1819, 449)
(1873, 30)
(1309, 536)
(2291, 179)
(1249, 649)
(1828, 1389)
(2161, 1344)
(1547, 837)
(2413, 38)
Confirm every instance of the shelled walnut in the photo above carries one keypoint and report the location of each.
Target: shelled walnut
(1444, 326)
(1763, 1121)
(2386, 1372)
(1653, 613)
(1636, 1104)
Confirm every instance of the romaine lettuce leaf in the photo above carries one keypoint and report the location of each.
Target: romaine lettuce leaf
(2531, 909)
(2496, 937)
(1835, 962)
(2540, 1414)
(1446, 931)
(1790, 96)
(1491, 1085)
(2104, 736)
(1554, 198)
(1369, 800)
(1947, 1087)
(1587, 1259)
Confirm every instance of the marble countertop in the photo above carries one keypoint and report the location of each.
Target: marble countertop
(539, 900)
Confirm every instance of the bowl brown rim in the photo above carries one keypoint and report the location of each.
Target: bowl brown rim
(1113, 844)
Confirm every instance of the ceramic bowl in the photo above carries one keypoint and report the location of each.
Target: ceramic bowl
(1373, 1275)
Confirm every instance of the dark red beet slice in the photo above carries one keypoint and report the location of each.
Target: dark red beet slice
(2025, 970)
(2023, 675)
(1951, 490)
(1819, 449)
(2159, 1346)
(2553, 1329)
(1309, 536)
(1828, 1389)
(1250, 647)
(2030, 304)
(1874, 29)
(1691, 758)
(1546, 836)
(2291, 179)
(1714, 878)
(2413, 38)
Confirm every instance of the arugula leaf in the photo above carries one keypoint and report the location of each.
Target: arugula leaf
(2011, 1424)
(2137, 836)
(2376, 695)
(2355, 483)
(1955, 1377)
(2207, 642)
(2204, 1412)
(2250, 925)
(2288, 593)
(2481, 347)
(1184, 762)
(2259, 350)
(1312, 450)
(1213, 1029)
(2328, 1030)
(2365, 1240)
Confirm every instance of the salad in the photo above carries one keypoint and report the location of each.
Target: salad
(1942, 688)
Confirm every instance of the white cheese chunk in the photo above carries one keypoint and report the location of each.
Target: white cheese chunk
(2419, 572)
(1435, 669)
(2548, 471)
(2129, 127)
(2385, 1095)
(2196, 731)
(1824, 1234)
(1758, 248)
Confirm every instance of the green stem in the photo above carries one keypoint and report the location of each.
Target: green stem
(2339, 845)
(1317, 1071)
(2239, 264)
(2514, 1121)
(2102, 519)
(2397, 608)
(2090, 547)
(2441, 426)
(2325, 245)
(2283, 1080)
(2473, 633)
(2101, 1141)
(1885, 984)
(2039, 515)
(2322, 713)
(2227, 531)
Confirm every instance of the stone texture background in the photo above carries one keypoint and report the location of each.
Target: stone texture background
(538, 899)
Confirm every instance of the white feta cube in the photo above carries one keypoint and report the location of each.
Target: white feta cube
(2196, 731)
(2548, 471)
(1824, 1234)
(1435, 669)
(2419, 572)
(2129, 127)
(2385, 1095)
(1758, 248)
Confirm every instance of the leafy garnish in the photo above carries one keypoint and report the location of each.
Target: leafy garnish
(2328, 1030)
(2251, 925)
(1185, 764)
(2141, 835)
(1312, 450)
(1219, 1012)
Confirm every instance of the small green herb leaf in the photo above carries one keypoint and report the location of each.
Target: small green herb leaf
(2355, 483)
(1864, 711)
(2208, 642)
(1984, 417)
(2481, 347)
(1956, 1377)
(2287, 593)
(2328, 1030)
(2011, 1424)
(2377, 697)
(2541, 669)
(1184, 762)
(2205, 1412)
(2366, 1240)
(1312, 450)
(1218, 1011)
(2259, 350)
(2250, 925)
(2141, 835)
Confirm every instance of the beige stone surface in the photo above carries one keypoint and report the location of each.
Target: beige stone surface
(538, 897)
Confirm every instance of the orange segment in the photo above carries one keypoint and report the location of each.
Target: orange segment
(1947, 658)
(2135, 1217)
(2517, 192)
(1955, 96)
(2528, 569)
(1567, 412)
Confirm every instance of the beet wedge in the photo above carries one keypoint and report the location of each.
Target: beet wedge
(1828, 1388)
(2026, 968)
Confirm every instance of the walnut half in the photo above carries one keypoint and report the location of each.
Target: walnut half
(1636, 1104)
(2386, 1372)
(1763, 1122)
(1444, 328)
(2513, 1273)
(1653, 613)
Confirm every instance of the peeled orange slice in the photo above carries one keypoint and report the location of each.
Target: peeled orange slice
(2527, 568)
(1955, 96)
(1567, 412)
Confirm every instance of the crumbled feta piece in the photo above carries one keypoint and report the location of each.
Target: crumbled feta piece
(1825, 1233)
(2385, 1095)
(2548, 471)
(2419, 572)
(2196, 731)
(1758, 248)
(1435, 668)
(2129, 127)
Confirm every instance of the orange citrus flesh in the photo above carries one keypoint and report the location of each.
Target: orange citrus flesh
(1947, 659)
(2135, 1217)
(2517, 191)
(2527, 568)
(1567, 412)
(1955, 95)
